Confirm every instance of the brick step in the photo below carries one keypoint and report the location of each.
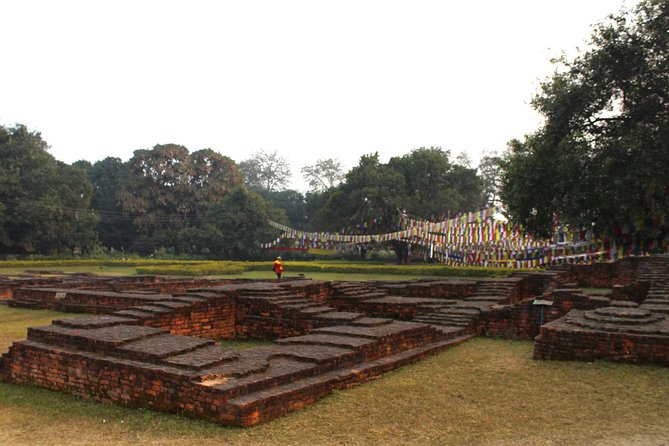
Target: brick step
(25, 303)
(355, 289)
(288, 300)
(487, 298)
(444, 321)
(153, 309)
(450, 332)
(493, 290)
(327, 340)
(287, 363)
(154, 348)
(193, 297)
(103, 339)
(172, 305)
(73, 307)
(656, 300)
(386, 333)
(472, 306)
(369, 342)
(371, 321)
(87, 323)
(338, 316)
(656, 307)
(460, 311)
(265, 293)
(134, 313)
(449, 316)
(358, 292)
(299, 306)
(424, 311)
(248, 363)
(316, 310)
(266, 404)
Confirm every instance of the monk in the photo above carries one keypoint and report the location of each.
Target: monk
(278, 267)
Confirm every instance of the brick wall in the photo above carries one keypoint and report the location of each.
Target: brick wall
(521, 320)
(583, 344)
(604, 275)
(207, 320)
(120, 381)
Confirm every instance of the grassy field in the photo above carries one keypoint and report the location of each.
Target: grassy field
(484, 392)
(130, 271)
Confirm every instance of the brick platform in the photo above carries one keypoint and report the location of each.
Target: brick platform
(614, 333)
(151, 344)
(624, 331)
(154, 354)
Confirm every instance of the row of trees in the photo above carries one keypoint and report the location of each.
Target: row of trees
(203, 203)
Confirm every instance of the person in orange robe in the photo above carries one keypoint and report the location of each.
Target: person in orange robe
(278, 267)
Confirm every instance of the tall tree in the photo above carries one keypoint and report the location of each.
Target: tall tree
(372, 190)
(266, 171)
(490, 172)
(423, 183)
(434, 185)
(601, 156)
(157, 189)
(168, 191)
(115, 227)
(239, 223)
(323, 175)
(292, 202)
(213, 176)
(45, 203)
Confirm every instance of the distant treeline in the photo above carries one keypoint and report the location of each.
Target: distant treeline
(169, 201)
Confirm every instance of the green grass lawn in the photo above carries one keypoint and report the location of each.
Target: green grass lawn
(130, 271)
(105, 270)
(483, 392)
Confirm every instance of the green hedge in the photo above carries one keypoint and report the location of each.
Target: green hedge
(210, 268)
(93, 262)
(408, 270)
(207, 269)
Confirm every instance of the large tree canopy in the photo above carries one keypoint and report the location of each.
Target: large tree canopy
(44, 204)
(323, 175)
(239, 223)
(423, 184)
(266, 171)
(601, 157)
(167, 191)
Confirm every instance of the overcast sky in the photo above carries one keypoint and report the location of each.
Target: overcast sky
(310, 79)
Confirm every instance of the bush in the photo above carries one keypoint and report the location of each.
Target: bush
(205, 269)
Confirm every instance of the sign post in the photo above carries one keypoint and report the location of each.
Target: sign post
(542, 304)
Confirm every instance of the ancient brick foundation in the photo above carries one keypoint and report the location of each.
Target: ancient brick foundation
(151, 345)
(613, 333)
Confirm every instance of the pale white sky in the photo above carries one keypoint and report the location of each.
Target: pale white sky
(311, 79)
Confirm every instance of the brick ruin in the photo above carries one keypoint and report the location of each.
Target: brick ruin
(150, 342)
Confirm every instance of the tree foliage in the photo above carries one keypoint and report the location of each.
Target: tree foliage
(115, 229)
(240, 223)
(167, 191)
(601, 157)
(266, 171)
(435, 187)
(326, 173)
(44, 204)
(490, 173)
(423, 184)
